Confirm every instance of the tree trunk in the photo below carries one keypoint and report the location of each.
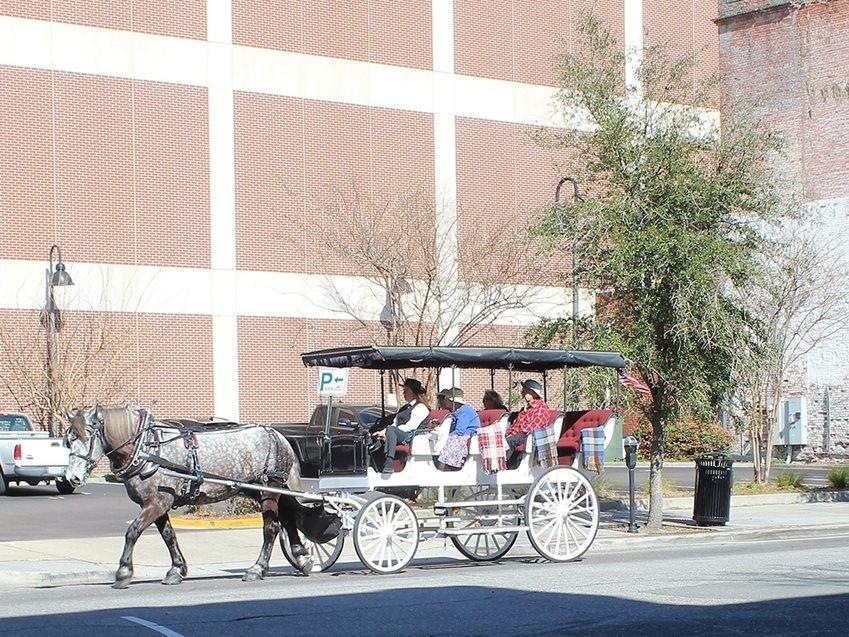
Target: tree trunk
(655, 521)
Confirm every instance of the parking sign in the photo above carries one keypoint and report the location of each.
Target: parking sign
(332, 382)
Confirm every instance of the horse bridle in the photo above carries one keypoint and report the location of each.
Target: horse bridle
(94, 431)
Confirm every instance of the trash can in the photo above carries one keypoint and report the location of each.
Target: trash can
(712, 500)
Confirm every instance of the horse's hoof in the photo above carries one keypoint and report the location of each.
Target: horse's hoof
(253, 575)
(121, 583)
(305, 564)
(172, 578)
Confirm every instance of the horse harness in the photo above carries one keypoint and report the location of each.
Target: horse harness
(145, 459)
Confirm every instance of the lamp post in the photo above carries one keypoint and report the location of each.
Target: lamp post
(576, 196)
(391, 316)
(52, 321)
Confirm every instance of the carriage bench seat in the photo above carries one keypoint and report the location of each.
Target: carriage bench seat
(569, 442)
(402, 451)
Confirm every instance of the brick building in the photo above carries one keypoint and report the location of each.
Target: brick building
(187, 158)
(790, 61)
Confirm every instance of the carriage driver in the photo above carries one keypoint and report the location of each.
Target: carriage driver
(411, 415)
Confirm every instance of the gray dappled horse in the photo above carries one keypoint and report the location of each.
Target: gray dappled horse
(138, 448)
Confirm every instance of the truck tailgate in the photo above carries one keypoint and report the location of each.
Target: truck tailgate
(43, 453)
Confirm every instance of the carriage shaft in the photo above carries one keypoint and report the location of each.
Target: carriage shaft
(237, 484)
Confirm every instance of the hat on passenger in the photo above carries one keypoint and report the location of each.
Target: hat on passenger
(454, 394)
(414, 385)
(533, 386)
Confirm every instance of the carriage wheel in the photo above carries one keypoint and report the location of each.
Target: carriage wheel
(562, 514)
(323, 555)
(386, 534)
(483, 547)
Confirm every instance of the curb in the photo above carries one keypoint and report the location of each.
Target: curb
(216, 523)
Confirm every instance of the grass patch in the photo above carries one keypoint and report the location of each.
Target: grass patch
(753, 488)
(670, 489)
(789, 481)
(838, 478)
(603, 487)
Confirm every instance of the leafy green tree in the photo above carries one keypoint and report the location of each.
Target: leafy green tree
(671, 227)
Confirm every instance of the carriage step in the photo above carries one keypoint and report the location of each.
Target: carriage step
(485, 530)
(444, 508)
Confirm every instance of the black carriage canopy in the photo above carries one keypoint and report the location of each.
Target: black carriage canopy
(391, 357)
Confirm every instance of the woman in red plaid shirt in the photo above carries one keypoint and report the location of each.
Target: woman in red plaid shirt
(535, 415)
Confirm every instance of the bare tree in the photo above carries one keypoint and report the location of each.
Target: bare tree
(92, 358)
(800, 304)
(435, 290)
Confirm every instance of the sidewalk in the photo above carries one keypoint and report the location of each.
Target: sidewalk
(228, 552)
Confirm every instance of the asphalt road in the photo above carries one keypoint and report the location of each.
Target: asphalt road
(775, 587)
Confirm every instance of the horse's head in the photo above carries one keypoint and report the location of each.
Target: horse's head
(85, 440)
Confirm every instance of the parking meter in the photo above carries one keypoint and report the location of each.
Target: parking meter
(630, 445)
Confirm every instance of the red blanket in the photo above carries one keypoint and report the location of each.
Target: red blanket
(491, 440)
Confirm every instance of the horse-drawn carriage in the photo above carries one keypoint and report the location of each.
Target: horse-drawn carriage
(343, 494)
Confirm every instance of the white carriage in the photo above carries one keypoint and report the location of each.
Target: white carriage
(481, 512)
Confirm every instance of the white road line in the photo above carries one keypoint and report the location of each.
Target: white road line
(160, 629)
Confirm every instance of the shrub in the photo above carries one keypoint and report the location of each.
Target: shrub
(838, 478)
(686, 440)
(789, 480)
(242, 506)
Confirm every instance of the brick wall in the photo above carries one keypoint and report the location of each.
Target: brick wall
(301, 164)
(685, 30)
(184, 19)
(383, 31)
(518, 40)
(787, 65)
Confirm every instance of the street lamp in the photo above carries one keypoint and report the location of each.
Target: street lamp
(52, 321)
(390, 317)
(576, 196)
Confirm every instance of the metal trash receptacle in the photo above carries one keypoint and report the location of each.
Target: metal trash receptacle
(712, 499)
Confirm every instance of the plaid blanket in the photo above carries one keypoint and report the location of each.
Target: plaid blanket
(545, 443)
(592, 448)
(493, 454)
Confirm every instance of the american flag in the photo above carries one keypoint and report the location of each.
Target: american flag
(627, 380)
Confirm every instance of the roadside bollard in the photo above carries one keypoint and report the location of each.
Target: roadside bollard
(630, 445)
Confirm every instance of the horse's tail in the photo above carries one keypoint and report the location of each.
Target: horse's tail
(293, 482)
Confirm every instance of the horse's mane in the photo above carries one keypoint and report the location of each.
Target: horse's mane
(119, 422)
(78, 425)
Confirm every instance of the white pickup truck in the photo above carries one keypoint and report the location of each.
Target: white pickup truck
(30, 456)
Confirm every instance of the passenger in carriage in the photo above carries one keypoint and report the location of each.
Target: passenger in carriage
(465, 423)
(411, 415)
(492, 400)
(534, 415)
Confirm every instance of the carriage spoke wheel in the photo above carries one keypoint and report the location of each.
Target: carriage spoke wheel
(386, 534)
(482, 547)
(562, 514)
(324, 555)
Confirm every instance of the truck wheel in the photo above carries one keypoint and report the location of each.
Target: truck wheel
(2, 483)
(64, 487)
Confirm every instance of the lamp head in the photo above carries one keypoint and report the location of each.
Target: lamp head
(61, 276)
